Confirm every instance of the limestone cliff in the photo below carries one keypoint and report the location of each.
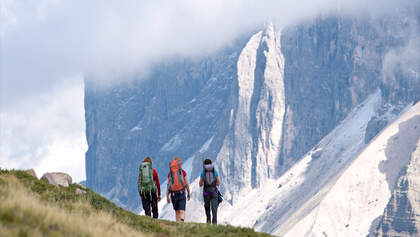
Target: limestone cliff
(402, 214)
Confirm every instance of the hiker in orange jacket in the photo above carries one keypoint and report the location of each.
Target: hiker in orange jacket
(177, 183)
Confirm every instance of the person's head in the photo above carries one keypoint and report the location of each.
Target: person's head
(177, 158)
(148, 159)
(207, 162)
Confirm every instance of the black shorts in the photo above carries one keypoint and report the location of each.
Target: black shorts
(179, 201)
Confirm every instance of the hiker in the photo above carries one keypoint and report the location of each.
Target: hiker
(149, 187)
(210, 179)
(177, 183)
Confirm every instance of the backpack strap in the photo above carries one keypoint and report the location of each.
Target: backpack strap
(171, 180)
(181, 176)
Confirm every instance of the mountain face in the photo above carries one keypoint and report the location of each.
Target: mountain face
(174, 112)
(375, 181)
(285, 114)
(402, 213)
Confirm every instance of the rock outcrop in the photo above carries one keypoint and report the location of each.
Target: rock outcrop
(79, 191)
(356, 198)
(402, 214)
(31, 172)
(57, 179)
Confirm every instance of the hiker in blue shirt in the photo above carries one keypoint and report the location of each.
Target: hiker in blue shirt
(210, 179)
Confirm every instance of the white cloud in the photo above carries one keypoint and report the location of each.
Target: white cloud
(65, 155)
(406, 58)
(48, 39)
(46, 132)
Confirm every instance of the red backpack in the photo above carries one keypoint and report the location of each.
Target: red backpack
(176, 179)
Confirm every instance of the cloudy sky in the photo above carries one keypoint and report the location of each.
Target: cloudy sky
(47, 46)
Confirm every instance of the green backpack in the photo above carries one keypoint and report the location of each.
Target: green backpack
(147, 184)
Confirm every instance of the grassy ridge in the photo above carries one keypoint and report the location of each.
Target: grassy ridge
(31, 207)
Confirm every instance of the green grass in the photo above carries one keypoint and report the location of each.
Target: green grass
(35, 208)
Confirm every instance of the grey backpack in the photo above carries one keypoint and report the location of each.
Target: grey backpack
(209, 179)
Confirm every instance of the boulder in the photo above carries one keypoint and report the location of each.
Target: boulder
(31, 172)
(57, 179)
(80, 191)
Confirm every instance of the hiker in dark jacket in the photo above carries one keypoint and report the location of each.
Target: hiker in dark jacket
(149, 187)
(210, 179)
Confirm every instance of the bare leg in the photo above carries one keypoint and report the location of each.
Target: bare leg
(180, 215)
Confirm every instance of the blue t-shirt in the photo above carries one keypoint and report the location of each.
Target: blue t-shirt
(215, 174)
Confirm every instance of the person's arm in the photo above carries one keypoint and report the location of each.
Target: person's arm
(217, 178)
(187, 185)
(188, 189)
(156, 178)
(138, 184)
(167, 196)
(201, 179)
(167, 192)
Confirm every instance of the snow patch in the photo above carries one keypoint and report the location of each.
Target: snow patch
(172, 144)
(136, 128)
(206, 145)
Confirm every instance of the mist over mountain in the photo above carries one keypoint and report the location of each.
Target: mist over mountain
(301, 120)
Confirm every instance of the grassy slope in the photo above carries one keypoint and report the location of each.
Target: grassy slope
(30, 207)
